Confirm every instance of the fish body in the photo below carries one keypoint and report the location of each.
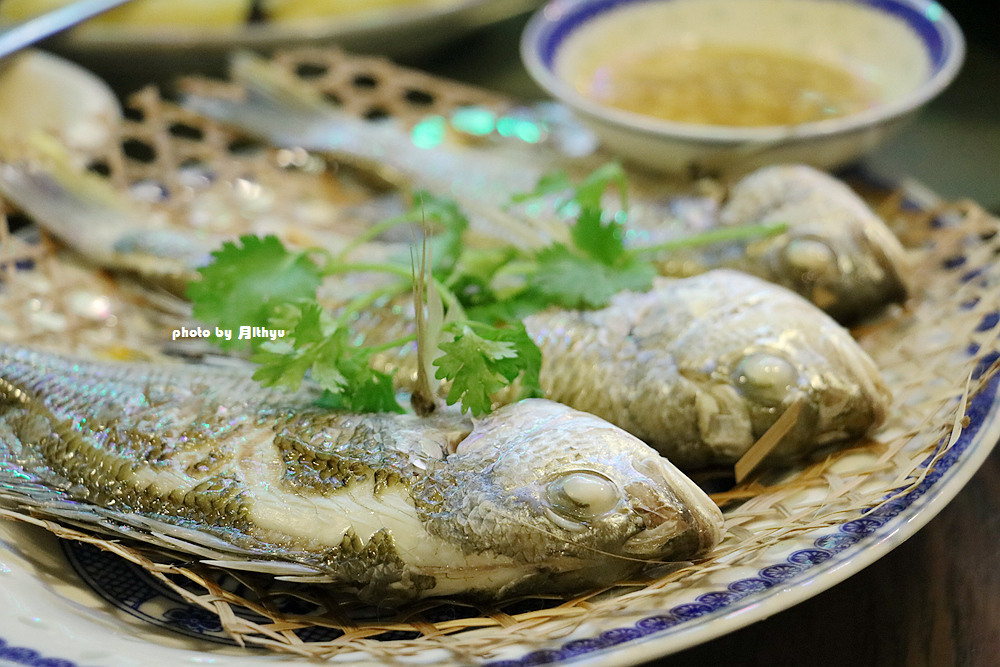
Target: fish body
(684, 423)
(535, 497)
(698, 367)
(701, 367)
(83, 212)
(836, 252)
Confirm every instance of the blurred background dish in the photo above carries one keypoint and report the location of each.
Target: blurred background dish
(684, 85)
(152, 40)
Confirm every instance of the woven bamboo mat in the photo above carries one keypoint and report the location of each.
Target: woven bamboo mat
(937, 352)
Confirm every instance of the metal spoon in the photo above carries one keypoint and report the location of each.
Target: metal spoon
(39, 27)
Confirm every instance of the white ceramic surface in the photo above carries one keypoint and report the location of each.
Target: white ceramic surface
(908, 49)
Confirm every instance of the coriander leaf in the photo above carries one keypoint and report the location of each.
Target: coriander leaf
(321, 348)
(511, 309)
(601, 241)
(367, 392)
(471, 281)
(245, 283)
(279, 365)
(572, 281)
(477, 369)
(527, 364)
(590, 191)
(311, 326)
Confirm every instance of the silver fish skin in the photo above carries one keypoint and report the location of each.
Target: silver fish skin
(837, 252)
(115, 232)
(698, 367)
(701, 367)
(572, 353)
(535, 497)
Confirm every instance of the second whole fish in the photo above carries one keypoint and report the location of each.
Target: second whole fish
(700, 367)
(647, 377)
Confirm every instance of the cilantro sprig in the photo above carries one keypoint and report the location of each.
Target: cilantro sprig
(259, 282)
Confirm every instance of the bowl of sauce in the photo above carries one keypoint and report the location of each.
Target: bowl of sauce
(731, 85)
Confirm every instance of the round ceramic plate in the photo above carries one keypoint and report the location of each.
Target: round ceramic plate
(393, 31)
(65, 604)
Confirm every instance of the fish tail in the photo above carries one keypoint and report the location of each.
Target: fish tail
(80, 208)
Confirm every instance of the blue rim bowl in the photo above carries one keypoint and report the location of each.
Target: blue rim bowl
(679, 146)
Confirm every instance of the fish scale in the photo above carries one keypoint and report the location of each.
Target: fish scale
(377, 505)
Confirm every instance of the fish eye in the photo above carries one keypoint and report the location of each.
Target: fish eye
(765, 377)
(811, 257)
(582, 495)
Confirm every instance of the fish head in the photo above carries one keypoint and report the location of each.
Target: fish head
(848, 269)
(836, 252)
(743, 353)
(544, 484)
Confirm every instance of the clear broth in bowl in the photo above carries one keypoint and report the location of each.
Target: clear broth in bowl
(725, 85)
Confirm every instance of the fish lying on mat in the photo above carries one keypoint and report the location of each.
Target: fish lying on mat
(536, 497)
(701, 367)
(836, 251)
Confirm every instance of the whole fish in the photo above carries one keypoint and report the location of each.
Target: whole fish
(835, 252)
(700, 367)
(536, 497)
(115, 232)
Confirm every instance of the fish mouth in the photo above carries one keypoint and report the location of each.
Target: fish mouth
(680, 522)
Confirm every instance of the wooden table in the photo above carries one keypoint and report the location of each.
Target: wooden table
(934, 601)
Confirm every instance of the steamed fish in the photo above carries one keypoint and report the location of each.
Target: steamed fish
(118, 233)
(836, 252)
(536, 497)
(699, 368)
(702, 367)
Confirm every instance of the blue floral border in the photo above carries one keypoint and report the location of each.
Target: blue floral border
(19, 655)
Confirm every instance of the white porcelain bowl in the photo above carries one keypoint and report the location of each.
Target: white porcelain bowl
(907, 51)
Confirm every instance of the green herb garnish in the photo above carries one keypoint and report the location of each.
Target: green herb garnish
(470, 299)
